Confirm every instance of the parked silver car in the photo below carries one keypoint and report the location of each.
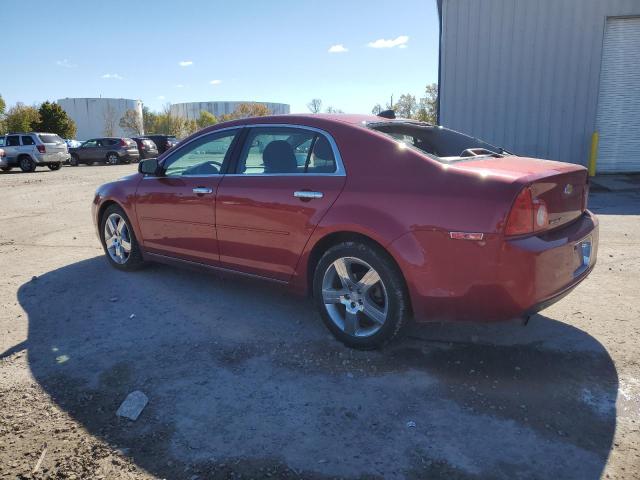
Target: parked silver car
(34, 149)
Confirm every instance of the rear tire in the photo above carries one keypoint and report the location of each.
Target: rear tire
(27, 164)
(361, 295)
(122, 251)
(113, 159)
(54, 166)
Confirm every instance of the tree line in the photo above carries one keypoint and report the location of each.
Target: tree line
(424, 109)
(48, 117)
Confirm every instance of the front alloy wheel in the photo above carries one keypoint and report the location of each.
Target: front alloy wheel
(113, 159)
(117, 238)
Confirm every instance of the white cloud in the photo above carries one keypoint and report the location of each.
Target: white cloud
(160, 97)
(115, 76)
(179, 85)
(215, 82)
(339, 48)
(404, 45)
(185, 63)
(65, 63)
(395, 42)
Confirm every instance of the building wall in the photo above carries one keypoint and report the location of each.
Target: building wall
(524, 74)
(192, 110)
(92, 114)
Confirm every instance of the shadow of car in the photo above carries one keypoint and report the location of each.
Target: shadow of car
(237, 384)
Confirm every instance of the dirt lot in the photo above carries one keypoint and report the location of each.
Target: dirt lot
(244, 381)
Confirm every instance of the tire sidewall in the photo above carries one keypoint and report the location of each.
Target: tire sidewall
(74, 161)
(28, 162)
(117, 159)
(135, 259)
(393, 283)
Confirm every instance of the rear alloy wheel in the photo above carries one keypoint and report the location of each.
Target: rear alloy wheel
(118, 240)
(361, 295)
(113, 159)
(27, 164)
(54, 166)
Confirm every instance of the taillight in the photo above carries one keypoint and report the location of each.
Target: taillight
(41, 148)
(142, 146)
(123, 143)
(2, 154)
(527, 215)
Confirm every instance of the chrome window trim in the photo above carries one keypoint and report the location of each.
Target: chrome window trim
(340, 170)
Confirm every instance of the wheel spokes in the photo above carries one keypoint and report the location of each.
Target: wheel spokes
(368, 280)
(126, 245)
(351, 322)
(343, 271)
(330, 295)
(372, 311)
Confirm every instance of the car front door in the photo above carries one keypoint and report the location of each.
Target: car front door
(87, 151)
(284, 180)
(176, 211)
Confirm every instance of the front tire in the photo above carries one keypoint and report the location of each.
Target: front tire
(118, 240)
(54, 166)
(361, 295)
(27, 164)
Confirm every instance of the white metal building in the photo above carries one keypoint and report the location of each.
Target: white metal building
(539, 77)
(98, 117)
(192, 110)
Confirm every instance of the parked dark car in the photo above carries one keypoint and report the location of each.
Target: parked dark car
(163, 142)
(384, 220)
(146, 147)
(111, 150)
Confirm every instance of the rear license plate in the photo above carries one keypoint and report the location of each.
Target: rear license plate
(584, 252)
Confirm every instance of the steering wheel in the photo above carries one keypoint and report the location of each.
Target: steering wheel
(210, 167)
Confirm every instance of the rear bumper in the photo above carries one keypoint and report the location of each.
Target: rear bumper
(46, 158)
(497, 279)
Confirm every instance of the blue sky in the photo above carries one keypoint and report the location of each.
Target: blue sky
(275, 50)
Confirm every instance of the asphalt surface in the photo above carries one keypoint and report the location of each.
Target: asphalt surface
(244, 381)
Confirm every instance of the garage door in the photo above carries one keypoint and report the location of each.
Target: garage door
(618, 120)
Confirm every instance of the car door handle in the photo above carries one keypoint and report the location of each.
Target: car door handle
(307, 195)
(202, 190)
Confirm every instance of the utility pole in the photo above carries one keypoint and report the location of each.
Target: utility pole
(391, 101)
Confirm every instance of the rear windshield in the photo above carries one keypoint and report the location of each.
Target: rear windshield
(50, 138)
(439, 143)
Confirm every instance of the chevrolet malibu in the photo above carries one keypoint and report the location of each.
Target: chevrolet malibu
(381, 220)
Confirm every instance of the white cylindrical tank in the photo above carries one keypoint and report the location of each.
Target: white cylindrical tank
(100, 117)
(191, 110)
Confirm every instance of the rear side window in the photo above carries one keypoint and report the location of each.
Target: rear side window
(285, 150)
(50, 138)
(27, 140)
(13, 141)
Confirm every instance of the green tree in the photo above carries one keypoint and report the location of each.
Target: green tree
(428, 106)
(149, 120)
(54, 119)
(3, 105)
(132, 122)
(206, 119)
(376, 109)
(22, 118)
(406, 106)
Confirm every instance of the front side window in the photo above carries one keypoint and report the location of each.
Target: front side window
(204, 156)
(285, 150)
(27, 140)
(90, 144)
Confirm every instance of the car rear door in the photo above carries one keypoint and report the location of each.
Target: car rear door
(176, 211)
(284, 180)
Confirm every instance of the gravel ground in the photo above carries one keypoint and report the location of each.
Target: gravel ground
(244, 381)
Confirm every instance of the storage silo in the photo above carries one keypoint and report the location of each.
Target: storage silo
(100, 117)
(191, 110)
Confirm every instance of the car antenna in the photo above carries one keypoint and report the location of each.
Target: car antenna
(387, 114)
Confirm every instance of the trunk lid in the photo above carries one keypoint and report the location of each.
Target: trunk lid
(563, 187)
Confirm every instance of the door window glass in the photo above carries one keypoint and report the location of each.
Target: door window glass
(13, 141)
(204, 156)
(285, 150)
(26, 140)
(90, 143)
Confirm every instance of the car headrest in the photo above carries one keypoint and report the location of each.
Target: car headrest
(278, 157)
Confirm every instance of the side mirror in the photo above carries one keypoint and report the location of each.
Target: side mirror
(150, 167)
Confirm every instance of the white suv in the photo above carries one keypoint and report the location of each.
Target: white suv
(33, 149)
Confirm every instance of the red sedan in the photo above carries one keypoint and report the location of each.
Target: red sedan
(381, 220)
